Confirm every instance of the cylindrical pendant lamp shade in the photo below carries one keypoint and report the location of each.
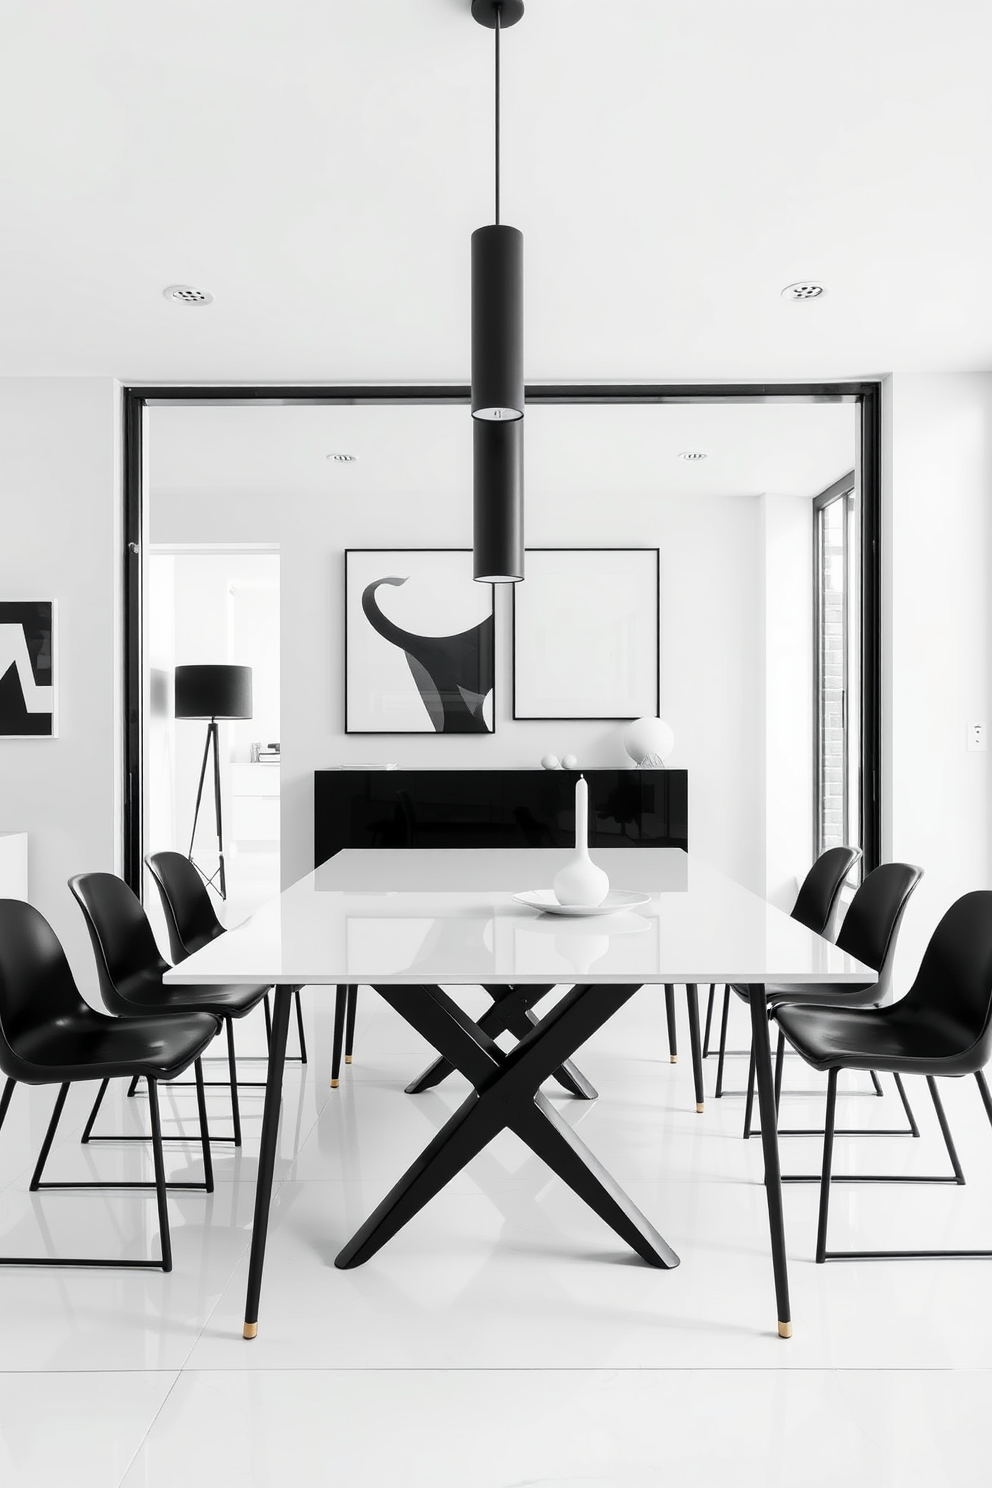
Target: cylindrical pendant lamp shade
(498, 501)
(213, 692)
(497, 323)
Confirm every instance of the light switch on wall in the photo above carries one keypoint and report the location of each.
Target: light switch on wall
(976, 737)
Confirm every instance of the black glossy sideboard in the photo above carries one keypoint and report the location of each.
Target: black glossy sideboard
(496, 808)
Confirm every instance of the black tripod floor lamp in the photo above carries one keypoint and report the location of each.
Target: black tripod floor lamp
(214, 693)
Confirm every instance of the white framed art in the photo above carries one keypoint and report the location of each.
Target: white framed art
(586, 634)
(419, 643)
(27, 669)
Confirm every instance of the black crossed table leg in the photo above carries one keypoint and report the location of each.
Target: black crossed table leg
(510, 1013)
(507, 1094)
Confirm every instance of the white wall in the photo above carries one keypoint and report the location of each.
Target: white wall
(787, 593)
(937, 532)
(60, 505)
(711, 646)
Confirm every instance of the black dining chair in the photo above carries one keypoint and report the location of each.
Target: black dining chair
(192, 923)
(942, 1027)
(817, 905)
(50, 1036)
(130, 971)
(870, 933)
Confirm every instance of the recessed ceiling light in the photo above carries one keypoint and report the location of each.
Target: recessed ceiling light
(806, 289)
(344, 459)
(692, 455)
(188, 294)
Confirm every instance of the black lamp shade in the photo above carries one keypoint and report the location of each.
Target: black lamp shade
(213, 692)
(498, 501)
(497, 324)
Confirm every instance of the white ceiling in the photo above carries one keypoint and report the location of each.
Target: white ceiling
(319, 165)
(572, 451)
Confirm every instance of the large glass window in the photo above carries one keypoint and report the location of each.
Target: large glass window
(837, 674)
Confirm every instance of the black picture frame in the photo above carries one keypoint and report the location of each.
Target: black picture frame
(447, 677)
(28, 676)
(648, 700)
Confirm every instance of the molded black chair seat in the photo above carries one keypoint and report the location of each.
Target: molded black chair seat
(87, 1045)
(943, 1026)
(50, 1036)
(192, 923)
(131, 970)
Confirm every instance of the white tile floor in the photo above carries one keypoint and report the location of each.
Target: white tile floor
(504, 1338)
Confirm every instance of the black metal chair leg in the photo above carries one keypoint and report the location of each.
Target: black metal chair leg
(232, 1065)
(46, 1145)
(340, 1008)
(876, 1082)
(349, 1025)
(779, 1061)
(983, 1090)
(104, 1085)
(692, 1003)
(900, 1087)
(201, 1107)
(709, 1019)
(133, 1087)
(160, 1191)
(673, 1046)
(828, 1153)
(299, 1027)
(718, 1093)
(945, 1130)
(749, 1104)
(8, 1091)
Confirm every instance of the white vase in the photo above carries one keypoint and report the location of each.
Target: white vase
(580, 882)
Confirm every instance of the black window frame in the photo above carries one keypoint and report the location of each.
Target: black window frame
(137, 398)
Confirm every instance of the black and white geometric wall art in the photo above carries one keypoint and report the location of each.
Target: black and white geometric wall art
(27, 669)
(419, 643)
(586, 625)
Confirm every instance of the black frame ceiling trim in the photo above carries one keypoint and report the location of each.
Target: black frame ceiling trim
(136, 398)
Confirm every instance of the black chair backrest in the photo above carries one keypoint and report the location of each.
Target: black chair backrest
(122, 939)
(953, 987)
(871, 925)
(817, 899)
(189, 914)
(36, 985)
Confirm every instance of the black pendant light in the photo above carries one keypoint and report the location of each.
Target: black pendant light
(498, 369)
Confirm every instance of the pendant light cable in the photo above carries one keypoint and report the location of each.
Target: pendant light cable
(497, 28)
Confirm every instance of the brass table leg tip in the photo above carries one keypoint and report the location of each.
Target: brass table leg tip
(785, 1330)
(673, 1059)
(250, 1330)
(699, 1107)
(347, 1059)
(334, 1084)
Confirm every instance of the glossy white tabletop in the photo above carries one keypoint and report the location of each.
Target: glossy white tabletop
(447, 916)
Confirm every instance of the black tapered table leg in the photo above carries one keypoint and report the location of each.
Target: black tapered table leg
(349, 1023)
(268, 1020)
(692, 1002)
(267, 1156)
(761, 1054)
(232, 1065)
(673, 1039)
(299, 1027)
(340, 1008)
(718, 1092)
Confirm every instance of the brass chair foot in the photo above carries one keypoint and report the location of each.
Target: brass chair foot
(785, 1330)
(334, 1084)
(250, 1329)
(699, 1107)
(673, 1059)
(347, 1059)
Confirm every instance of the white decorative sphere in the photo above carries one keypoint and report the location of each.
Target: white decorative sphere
(550, 762)
(569, 762)
(649, 742)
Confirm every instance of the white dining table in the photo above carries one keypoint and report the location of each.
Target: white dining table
(411, 922)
